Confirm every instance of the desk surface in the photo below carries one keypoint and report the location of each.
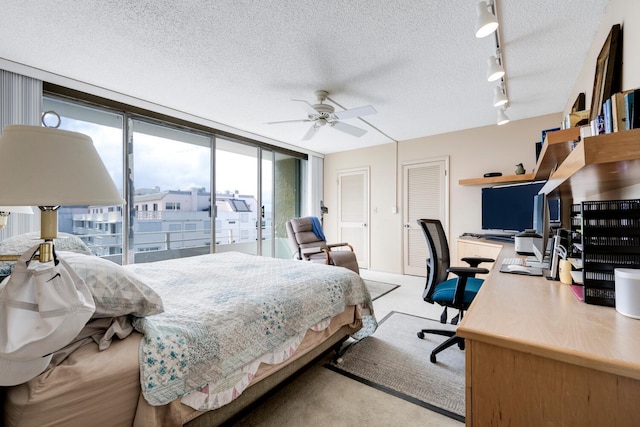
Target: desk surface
(543, 317)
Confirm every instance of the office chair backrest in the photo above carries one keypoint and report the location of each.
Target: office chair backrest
(438, 261)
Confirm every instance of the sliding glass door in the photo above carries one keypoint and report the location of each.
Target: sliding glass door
(237, 211)
(188, 192)
(170, 194)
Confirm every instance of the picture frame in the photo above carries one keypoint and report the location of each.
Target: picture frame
(607, 79)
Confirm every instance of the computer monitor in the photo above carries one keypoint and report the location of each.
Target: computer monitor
(540, 225)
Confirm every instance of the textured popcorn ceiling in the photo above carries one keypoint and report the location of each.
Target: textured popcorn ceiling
(240, 63)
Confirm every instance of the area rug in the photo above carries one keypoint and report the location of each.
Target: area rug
(378, 289)
(396, 361)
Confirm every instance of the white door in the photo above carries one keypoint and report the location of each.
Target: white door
(353, 212)
(425, 195)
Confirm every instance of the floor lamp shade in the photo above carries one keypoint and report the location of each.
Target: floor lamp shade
(42, 166)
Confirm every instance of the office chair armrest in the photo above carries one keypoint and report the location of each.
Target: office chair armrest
(467, 271)
(464, 273)
(337, 245)
(475, 261)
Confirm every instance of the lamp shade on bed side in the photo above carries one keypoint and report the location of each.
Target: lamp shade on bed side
(49, 167)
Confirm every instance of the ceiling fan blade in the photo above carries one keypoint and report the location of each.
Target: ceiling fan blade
(289, 121)
(307, 107)
(355, 112)
(351, 130)
(312, 131)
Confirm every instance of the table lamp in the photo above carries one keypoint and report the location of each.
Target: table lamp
(48, 167)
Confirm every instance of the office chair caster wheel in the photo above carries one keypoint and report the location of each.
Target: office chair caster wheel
(433, 358)
(421, 335)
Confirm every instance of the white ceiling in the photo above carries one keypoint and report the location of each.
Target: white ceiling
(240, 62)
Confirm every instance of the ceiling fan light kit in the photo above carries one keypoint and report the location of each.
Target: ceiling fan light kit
(322, 114)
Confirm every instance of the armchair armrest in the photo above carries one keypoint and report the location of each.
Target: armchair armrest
(308, 252)
(337, 245)
(475, 261)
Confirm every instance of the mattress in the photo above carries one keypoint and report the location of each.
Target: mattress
(92, 387)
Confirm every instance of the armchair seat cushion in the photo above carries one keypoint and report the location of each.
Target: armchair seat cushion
(445, 291)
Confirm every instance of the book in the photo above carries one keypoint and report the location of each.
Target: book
(634, 117)
(628, 106)
(618, 112)
(608, 122)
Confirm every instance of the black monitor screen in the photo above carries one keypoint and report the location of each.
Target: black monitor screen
(509, 207)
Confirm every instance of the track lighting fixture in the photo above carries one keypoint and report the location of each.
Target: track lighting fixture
(502, 117)
(487, 22)
(499, 98)
(495, 70)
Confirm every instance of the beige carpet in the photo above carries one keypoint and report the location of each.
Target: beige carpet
(396, 361)
(378, 289)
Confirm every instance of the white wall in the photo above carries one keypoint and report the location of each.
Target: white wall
(471, 152)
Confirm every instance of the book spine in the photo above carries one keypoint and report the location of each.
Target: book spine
(628, 107)
(608, 122)
(635, 111)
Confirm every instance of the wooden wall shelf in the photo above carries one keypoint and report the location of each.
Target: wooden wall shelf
(598, 164)
(505, 179)
(557, 146)
(581, 169)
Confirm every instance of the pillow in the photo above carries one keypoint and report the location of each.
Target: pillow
(17, 245)
(116, 291)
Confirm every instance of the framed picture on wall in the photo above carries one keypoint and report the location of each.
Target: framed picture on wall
(608, 71)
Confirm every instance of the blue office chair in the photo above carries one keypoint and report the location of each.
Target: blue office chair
(457, 292)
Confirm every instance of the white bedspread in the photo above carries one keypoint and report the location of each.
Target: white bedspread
(225, 312)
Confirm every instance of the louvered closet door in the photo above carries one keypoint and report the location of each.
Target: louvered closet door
(425, 195)
(353, 209)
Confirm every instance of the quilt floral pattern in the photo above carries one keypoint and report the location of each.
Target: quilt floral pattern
(225, 311)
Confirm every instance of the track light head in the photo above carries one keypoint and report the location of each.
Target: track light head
(502, 117)
(499, 97)
(495, 71)
(487, 22)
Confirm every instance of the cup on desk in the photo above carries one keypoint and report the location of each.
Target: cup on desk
(564, 271)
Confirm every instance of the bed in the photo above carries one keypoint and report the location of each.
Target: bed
(191, 341)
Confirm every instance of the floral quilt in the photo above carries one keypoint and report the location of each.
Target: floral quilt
(224, 312)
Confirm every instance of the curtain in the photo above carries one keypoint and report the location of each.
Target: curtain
(20, 104)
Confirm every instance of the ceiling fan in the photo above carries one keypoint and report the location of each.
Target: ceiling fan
(321, 114)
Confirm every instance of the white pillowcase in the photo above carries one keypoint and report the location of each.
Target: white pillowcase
(116, 291)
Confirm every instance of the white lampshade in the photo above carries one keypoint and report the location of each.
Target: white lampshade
(499, 98)
(487, 23)
(495, 70)
(51, 167)
(502, 117)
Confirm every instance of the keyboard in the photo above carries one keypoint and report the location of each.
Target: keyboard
(513, 261)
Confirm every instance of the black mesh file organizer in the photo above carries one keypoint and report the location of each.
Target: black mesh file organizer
(610, 240)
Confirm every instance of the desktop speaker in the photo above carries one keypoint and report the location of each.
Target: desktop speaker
(628, 291)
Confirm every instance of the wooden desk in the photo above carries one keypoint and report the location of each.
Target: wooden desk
(536, 356)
